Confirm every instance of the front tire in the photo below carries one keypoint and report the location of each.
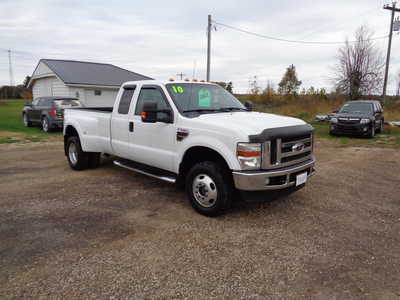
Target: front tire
(209, 187)
(77, 159)
(381, 127)
(371, 134)
(26, 121)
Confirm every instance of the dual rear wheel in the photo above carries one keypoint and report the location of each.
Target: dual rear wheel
(79, 159)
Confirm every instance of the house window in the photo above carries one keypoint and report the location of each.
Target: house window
(97, 92)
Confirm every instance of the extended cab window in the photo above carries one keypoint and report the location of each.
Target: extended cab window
(150, 94)
(125, 101)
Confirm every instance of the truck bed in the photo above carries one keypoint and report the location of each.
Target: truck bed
(96, 109)
(94, 123)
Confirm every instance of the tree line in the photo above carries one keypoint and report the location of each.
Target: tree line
(358, 72)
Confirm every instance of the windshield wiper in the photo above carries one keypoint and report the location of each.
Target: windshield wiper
(231, 108)
(200, 110)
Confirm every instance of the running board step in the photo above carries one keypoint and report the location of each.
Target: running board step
(133, 167)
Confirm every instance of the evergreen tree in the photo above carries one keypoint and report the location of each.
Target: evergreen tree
(289, 84)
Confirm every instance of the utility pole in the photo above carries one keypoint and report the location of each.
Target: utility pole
(10, 69)
(393, 9)
(209, 25)
(180, 75)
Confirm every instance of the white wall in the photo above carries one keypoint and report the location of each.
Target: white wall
(42, 87)
(41, 70)
(106, 99)
(49, 86)
(59, 88)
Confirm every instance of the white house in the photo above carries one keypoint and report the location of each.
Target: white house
(95, 84)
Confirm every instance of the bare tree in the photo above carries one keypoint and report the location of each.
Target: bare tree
(359, 70)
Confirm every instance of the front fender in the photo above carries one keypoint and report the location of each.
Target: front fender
(228, 153)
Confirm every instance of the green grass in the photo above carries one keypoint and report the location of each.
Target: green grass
(389, 138)
(11, 122)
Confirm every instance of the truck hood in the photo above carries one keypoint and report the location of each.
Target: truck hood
(248, 123)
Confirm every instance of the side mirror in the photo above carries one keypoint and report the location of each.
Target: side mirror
(149, 114)
(249, 105)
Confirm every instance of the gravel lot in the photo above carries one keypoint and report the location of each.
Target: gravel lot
(109, 233)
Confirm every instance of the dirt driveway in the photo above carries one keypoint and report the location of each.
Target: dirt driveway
(109, 233)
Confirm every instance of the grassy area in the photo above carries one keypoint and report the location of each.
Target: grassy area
(307, 109)
(12, 129)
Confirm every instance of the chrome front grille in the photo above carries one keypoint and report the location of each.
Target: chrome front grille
(349, 120)
(283, 152)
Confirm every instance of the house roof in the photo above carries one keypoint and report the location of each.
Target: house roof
(89, 73)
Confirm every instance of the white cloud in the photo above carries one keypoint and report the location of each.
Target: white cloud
(163, 38)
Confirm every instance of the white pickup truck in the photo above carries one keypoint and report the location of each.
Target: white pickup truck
(196, 134)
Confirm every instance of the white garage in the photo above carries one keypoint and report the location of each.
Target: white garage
(94, 84)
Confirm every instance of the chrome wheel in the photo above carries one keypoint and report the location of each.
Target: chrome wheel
(73, 153)
(204, 190)
(45, 125)
(25, 120)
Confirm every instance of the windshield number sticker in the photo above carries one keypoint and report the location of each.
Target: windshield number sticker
(204, 98)
(177, 89)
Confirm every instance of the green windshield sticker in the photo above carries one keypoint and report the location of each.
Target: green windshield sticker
(204, 98)
(177, 89)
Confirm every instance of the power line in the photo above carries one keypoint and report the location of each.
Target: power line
(292, 41)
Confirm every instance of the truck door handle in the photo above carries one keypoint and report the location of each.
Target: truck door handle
(131, 126)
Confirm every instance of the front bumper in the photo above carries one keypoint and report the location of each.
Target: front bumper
(351, 129)
(272, 180)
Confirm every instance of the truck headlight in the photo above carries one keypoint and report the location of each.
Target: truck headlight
(365, 121)
(249, 155)
(334, 120)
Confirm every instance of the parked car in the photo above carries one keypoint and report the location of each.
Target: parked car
(361, 117)
(48, 112)
(193, 133)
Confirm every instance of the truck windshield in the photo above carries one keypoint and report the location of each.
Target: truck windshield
(202, 98)
(67, 103)
(356, 108)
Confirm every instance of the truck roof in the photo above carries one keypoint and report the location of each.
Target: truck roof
(163, 82)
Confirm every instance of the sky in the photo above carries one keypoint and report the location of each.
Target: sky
(163, 38)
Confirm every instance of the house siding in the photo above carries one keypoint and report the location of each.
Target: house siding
(107, 97)
(59, 88)
(43, 87)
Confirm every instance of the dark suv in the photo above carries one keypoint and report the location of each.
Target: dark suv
(47, 111)
(361, 117)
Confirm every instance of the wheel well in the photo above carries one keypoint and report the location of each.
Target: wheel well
(69, 131)
(197, 154)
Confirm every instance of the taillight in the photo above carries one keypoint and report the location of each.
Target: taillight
(53, 112)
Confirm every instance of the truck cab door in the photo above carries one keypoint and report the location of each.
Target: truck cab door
(154, 143)
(122, 126)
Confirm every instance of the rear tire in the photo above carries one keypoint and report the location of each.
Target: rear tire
(46, 124)
(77, 159)
(209, 187)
